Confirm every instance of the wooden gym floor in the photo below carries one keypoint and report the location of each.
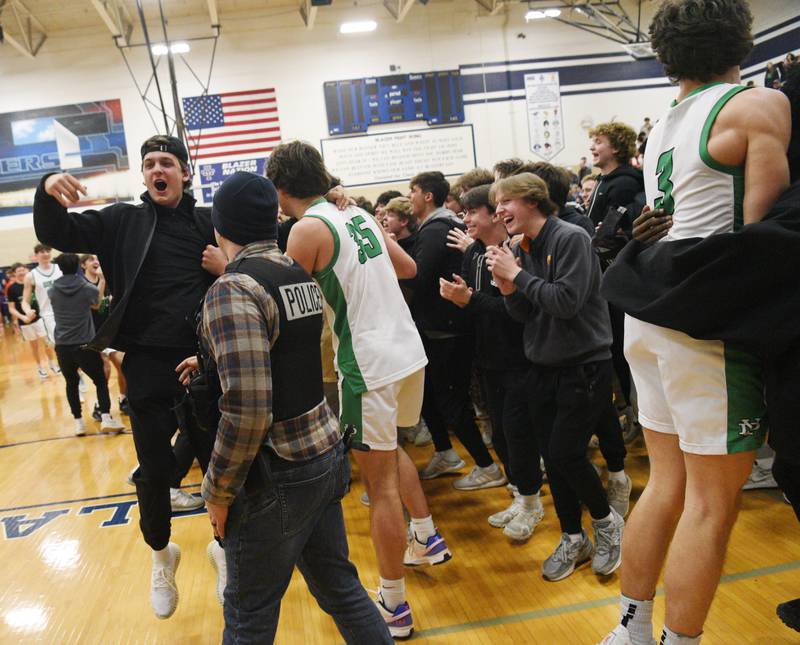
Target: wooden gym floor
(75, 570)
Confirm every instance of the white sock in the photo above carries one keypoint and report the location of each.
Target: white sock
(529, 502)
(668, 637)
(637, 618)
(575, 537)
(450, 455)
(393, 593)
(620, 476)
(423, 528)
(163, 557)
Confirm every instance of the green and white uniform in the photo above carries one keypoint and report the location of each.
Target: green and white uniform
(41, 283)
(706, 392)
(376, 342)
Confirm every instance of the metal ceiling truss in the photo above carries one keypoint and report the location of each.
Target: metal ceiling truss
(29, 34)
(173, 122)
(117, 19)
(491, 6)
(605, 18)
(399, 8)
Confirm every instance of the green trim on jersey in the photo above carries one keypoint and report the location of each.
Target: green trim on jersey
(737, 172)
(328, 267)
(697, 90)
(705, 155)
(747, 423)
(350, 414)
(345, 356)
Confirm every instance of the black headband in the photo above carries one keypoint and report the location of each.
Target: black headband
(171, 145)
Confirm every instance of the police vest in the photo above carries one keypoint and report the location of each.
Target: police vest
(295, 356)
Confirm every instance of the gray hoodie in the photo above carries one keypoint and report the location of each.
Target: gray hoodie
(558, 298)
(72, 297)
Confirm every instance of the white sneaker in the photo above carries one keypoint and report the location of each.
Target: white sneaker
(619, 495)
(500, 519)
(479, 478)
(183, 501)
(423, 436)
(760, 478)
(55, 368)
(364, 499)
(129, 480)
(620, 636)
(110, 424)
(163, 591)
(512, 490)
(42, 373)
(216, 556)
(522, 525)
(438, 465)
(80, 428)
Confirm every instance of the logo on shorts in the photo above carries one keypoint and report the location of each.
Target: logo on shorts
(748, 427)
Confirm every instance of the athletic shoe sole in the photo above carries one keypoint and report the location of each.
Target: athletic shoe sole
(451, 469)
(219, 593)
(495, 483)
(440, 558)
(177, 595)
(569, 571)
(613, 569)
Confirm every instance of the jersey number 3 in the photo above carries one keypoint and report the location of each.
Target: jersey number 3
(368, 245)
(665, 185)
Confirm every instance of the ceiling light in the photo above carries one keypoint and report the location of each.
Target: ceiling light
(534, 15)
(176, 48)
(358, 27)
(552, 13)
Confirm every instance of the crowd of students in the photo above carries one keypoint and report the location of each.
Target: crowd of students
(497, 308)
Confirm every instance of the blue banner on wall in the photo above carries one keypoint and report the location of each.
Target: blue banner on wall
(213, 174)
(84, 139)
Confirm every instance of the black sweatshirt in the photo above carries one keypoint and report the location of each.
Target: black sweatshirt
(435, 316)
(617, 188)
(498, 337)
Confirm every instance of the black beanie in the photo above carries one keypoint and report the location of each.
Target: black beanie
(245, 209)
(162, 143)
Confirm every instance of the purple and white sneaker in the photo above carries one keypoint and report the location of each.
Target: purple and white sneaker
(399, 621)
(433, 551)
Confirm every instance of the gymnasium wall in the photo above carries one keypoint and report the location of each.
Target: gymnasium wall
(273, 49)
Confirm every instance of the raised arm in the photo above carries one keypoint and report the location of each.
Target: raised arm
(71, 232)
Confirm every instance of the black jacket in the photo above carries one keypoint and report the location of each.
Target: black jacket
(498, 337)
(618, 188)
(435, 260)
(736, 287)
(572, 215)
(119, 235)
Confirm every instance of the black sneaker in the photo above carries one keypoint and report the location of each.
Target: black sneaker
(125, 407)
(96, 412)
(789, 613)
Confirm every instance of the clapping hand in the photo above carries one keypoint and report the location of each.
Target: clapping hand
(504, 267)
(458, 239)
(456, 292)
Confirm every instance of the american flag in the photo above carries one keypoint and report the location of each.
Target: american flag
(232, 123)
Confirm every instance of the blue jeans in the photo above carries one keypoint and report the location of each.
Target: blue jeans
(293, 516)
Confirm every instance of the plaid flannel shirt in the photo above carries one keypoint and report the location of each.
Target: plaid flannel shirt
(240, 325)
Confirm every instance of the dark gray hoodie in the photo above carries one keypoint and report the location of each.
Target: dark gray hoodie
(72, 297)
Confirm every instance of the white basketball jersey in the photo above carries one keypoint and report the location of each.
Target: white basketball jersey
(703, 195)
(41, 283)
(374, 337)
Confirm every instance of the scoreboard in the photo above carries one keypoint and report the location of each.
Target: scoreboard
(353, 105)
